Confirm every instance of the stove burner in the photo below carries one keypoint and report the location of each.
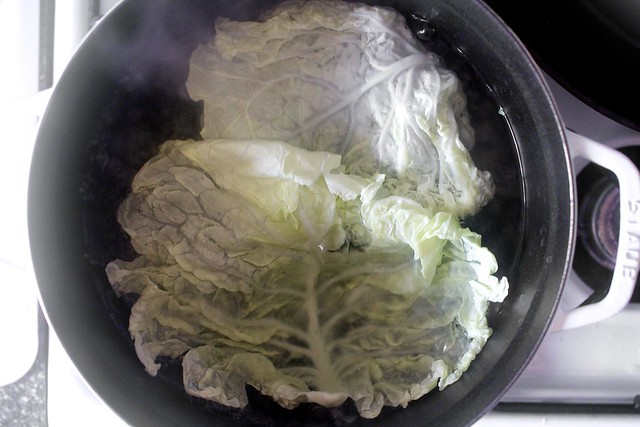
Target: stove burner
(598, 226)
(600, 222)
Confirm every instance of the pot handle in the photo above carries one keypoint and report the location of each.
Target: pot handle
(625, 271)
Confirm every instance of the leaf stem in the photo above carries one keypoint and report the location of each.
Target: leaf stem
(326, 378)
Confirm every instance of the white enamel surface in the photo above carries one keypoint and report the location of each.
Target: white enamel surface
(20, 109)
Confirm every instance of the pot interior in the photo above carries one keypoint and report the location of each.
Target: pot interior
(123, 95)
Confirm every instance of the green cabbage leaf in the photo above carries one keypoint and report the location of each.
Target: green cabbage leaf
(260, 264)
(349, 79)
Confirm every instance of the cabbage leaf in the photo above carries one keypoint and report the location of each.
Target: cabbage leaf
(348, 79)
(259, 271)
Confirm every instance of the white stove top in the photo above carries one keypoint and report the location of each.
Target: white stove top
(18, 305)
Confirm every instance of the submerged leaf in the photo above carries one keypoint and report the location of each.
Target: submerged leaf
(278, 296)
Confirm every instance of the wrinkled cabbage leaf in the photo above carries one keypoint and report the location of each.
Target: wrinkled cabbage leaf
(348, 79)
(277, 277)
(310, 245)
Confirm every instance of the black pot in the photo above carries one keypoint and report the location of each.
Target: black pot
(123, 94)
